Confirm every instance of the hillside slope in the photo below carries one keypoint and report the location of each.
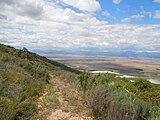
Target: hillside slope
(23, 76)
(33, 87)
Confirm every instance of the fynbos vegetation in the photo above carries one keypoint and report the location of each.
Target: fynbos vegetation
(109, 97)
(23, 75)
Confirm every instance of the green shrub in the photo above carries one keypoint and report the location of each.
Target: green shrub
(142, 84)
(107, 104)
(7, 109)
(154, 113)
(113, 98)
(5, 58)
(50, 101)
(141, 109)
(25, 110)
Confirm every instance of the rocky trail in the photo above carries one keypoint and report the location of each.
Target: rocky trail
(62, 101)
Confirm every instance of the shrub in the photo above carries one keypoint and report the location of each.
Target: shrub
(107, 104)
(154, 113)
(141, 109)
(25, 110)
(5, 57)
(112, 98)
(142, 84)
(7, 109)
(50, 101)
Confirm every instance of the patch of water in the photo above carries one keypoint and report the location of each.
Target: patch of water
(124, 76)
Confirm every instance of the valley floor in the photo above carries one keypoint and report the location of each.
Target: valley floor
(62, 101)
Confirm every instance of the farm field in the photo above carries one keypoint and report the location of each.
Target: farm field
(146, 68)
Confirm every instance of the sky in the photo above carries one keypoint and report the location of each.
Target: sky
(81, 24)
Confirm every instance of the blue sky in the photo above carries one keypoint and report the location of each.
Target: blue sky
(127, 8)
(81, 25)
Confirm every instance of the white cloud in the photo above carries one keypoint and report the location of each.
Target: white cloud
(116, 1)
(137, 17)
(157, 14)
(84, 5)
(106, 13)
(158, 1)
(146, 13)
(126, 20)
(59, 28)
(30, 8)
(133, 17)
(56, 28)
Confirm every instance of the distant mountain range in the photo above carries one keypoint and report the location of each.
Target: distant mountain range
(114, 53)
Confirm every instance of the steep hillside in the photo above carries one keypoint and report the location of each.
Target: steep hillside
(33, 87)
(23, 76)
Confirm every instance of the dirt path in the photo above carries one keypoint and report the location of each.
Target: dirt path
(62, 101)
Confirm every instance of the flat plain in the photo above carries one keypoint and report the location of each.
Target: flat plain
(141, 67)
